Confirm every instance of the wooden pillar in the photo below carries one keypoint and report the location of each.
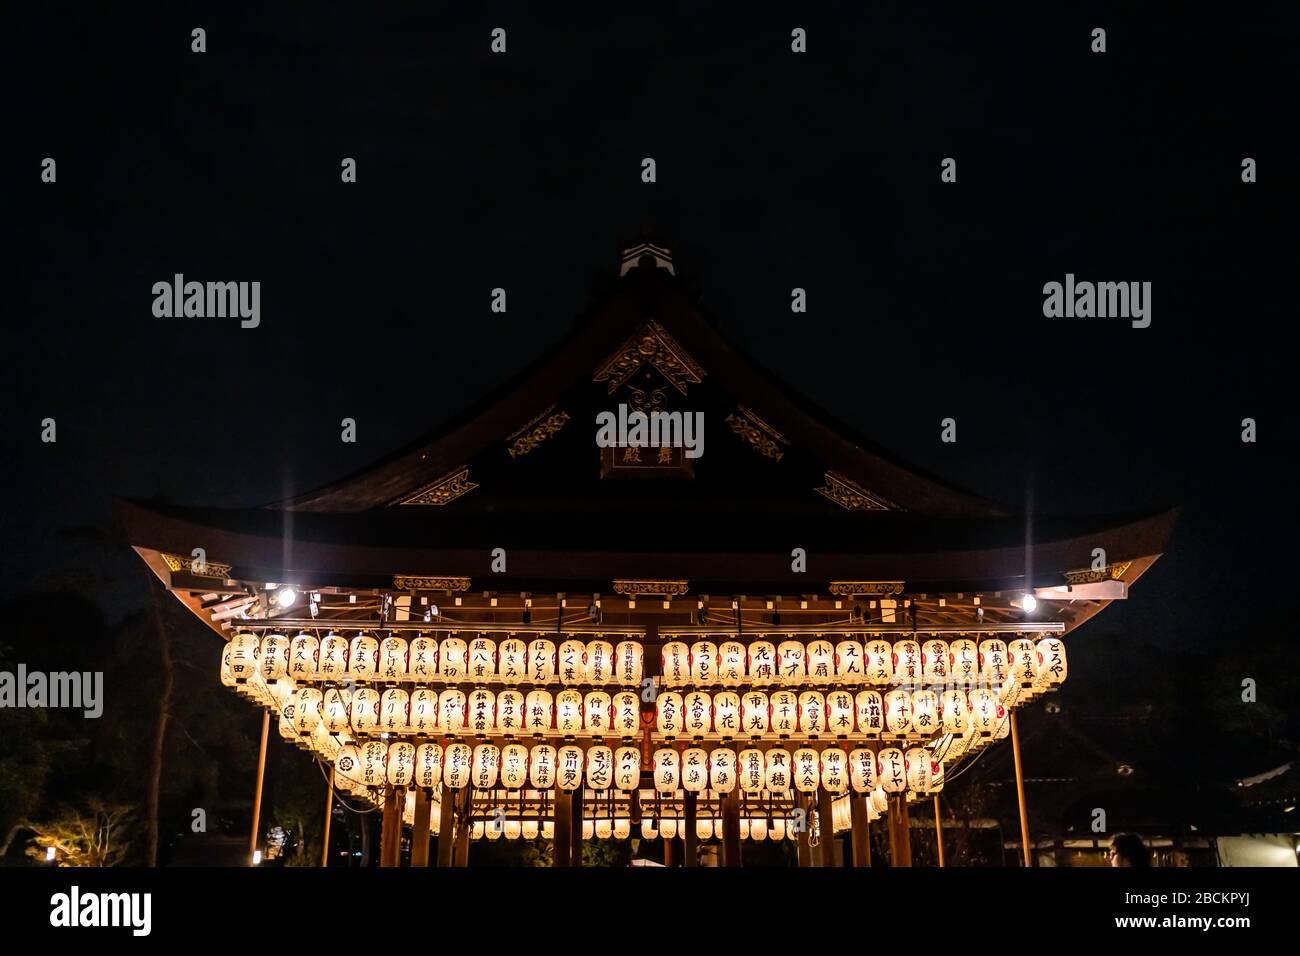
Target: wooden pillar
(731, 829)
(803, 846)
(861, 832)
(575, 854)
(390, 834)
(562, 836)
(900, 832)
(466, 797)
(257, 793)
(446, 826)
(1020, 792)
(420, 828)
(829, 848)
(690, 841)
(329, 815)
(668, 851)
(938, 830)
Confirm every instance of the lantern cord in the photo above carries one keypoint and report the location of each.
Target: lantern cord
(339, 797)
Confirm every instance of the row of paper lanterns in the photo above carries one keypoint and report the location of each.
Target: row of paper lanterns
(702, 664)
(377, 764)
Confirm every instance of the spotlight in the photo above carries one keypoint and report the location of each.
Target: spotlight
(1029, 602)
(285, 597)
(49, 854)
(257, 857)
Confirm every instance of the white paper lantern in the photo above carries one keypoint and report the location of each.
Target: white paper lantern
(695, 770)
(477, 829)
(726, 714)
(704, 663)
(364, 710)
(513, 829)
(862, 770)
(541, 766)
(704, 828)
(453, 659)
(245, 651)
(668, 766)
(307, 710)
(334, 710)
(993, 661)
(879, 801)
(531, 829)
(925, 712)
(676, 660)
(275, 657)
(785, 712)
(963, 661)
(697, 714)
(626, 714)
(333, 656)
(510, 712)
(347, 766)
(1052, 666)
(482, 711)
(428, 766)
(898, 711)
(869, 708)
(451, 711)
(604, 828)
(486, 766)
(812, 713)
(495, 828)
(916, 762)
(936, 776)
(363, 657)
(374, 757)
(393, 653)
(753, 771)
(573, 663)
(755, 714)
(1023, 655)
(670, 714)
(954, 711)
(984, 711)
(588, 829)
(934, 661)
(512, 660)
(807, 774)
(600, 767)
(457, 765)
(622, 828)
(481, 666)
(539, 712)
(744, 828)
(394, 710)
(821, 661)
(514, 766)
(541, 661)
(776, 829)
(834, 770)
(629, 663)
(849, 663)
(401, 764)
(627, 768)
(891, 767)
(777, 770)
(758, 828)
(649, 829)
(839, 713)
(600, 662)
(722, 770)
(907, 662)
(568, 767)
(762, 663)
(568, 710)
(792, 664)
(879, 662)
(731, 663)
(596, 708)
(422, 659)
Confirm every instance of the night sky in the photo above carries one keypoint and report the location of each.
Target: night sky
(775, 170)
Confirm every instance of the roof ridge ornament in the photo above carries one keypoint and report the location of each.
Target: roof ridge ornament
(646, 255)
(650, 345)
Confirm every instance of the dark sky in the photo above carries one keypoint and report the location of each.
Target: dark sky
(775, 170)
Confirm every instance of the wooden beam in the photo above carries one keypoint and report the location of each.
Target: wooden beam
(1020, 792)
(329, 815)
(420, 828)
(938, 830)
(861, 830)
(257, 793)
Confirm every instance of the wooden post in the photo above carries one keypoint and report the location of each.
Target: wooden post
(257, 796)
(938, 830)
(668, 851)
(900, 835)
(420, 828)
(390, 834)
(690, 840)
(466, 795)
(861, 832)
(446, 826)
(803, 847)
(329, 814)
(1020, 792)
(830, 847)
(575, 854)
(731, 829)
(562, 822)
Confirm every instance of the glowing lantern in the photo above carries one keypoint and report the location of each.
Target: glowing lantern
(722, 769)
(649, 830)
(530, 829)
(307, 705)
(374, 755)
(453, 659)
(401, 764)
(934, 661)
(541, 661)
(758, 828)
(907, 662)
(495, 828)
(821, 661)
(879, 662)
(482, 662)
(364, 710)
(668, 767)
(596, 709)
(541, 767)
(511, 660)
(451, 711)
(879, 801)
(626, 719)
(955, 712)
(676, 664)
(510, 712)
(936, 776)
(485, 766)
(568, 711)
(457, 764)
(514, 766)
(726, 714)
(428, 766)
(704, 828)
(695, 770)
(622, 828)
(807, 775)
(669, 714)
(363, 657)
(604, 828)
(476, 830)
(925, 712)
(834, 770)
(753, 773)
(862, 770)
(629, 663)
(513, 829)
(744, 828)
(1051, 662)
(347, 766)
(892, 768)
(568, 767)
(333, 656)
(627, 768)
(776, 829)
(600, 662)
(422, 660)
(963, 661)
(245, 649)
(704, 663)
(870, 711)
(1004, 724)
(482, 711)
(573, 663)
(334, 710)
(697, 710)
(285, 724)
(392, 659)
(839, 713)
(785, 712)
(917, 765)
(993, 660)
(731, 663)
(762, 663)
(898, 711)
(812, 713)
(791, 662)
(394, 710)
(600, 767)
(275, 657)
(588, 829)
(755, 712)
(849, 662)
(539, 712)
(984, 709)
(777, 770)
(1024, 661)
